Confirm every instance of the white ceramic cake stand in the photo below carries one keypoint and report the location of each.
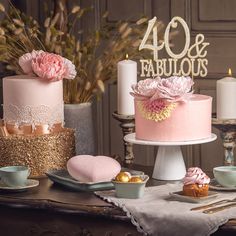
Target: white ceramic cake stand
(169, 164)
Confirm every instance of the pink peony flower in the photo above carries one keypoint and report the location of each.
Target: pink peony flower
(145, 89)
(174, 88)
(25, 61)
(47, 66)
(70, 72)
(171, 89)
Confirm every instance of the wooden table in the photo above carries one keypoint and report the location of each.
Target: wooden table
(50, 210)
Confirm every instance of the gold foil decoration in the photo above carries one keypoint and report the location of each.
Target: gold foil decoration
(40, 152)
(156, 116)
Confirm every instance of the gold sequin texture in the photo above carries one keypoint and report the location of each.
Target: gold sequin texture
(156, 116)
(40, 153)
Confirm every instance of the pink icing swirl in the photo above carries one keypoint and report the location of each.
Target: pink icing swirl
(195, 175)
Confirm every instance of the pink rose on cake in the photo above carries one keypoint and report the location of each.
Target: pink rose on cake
(48, 66)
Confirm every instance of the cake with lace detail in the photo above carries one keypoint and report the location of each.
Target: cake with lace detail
(167, 110)
(33, 114)
(30, 104)
(33, 103)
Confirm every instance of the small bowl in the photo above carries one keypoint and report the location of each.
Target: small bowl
(129, 189)
(225, 175)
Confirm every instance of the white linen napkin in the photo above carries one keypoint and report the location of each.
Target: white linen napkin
(156, 213)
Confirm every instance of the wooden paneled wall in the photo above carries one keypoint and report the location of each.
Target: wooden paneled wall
(216, 19)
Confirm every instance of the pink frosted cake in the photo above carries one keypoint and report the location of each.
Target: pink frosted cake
(33, 102)
(166, 110)
(29, 101)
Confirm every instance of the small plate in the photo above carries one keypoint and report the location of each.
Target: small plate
(30, 183)
(179, 196)
(62, 177)
(216, 186)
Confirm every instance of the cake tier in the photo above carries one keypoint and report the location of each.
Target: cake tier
(40, 153)
(28, 100)
(189, 120)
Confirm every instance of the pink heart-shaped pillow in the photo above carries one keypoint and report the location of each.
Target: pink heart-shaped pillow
(86, 168)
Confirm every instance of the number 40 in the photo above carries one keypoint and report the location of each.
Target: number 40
(155, 47)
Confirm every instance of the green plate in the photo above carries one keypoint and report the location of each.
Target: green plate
(62, 177)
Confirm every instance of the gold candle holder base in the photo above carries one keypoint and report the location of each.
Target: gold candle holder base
(41, 153)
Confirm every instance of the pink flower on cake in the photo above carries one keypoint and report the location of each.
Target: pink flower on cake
(70, 72)
(158, 97)
(145, 89)
(171, 89)
(155, 105)
(174, 88)
(25, 61)
(48, 66)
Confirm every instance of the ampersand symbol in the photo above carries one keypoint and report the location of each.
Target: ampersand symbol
(199, 40)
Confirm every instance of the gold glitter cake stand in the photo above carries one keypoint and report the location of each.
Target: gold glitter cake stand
(169, 164)
(41, 153)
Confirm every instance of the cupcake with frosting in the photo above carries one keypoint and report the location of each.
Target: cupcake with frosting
(196, 183)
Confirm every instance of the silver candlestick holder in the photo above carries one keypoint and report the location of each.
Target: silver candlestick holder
(128, 126)
(228, 134)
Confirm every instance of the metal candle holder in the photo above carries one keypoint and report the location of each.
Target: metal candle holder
(128, 126)
(228, 134)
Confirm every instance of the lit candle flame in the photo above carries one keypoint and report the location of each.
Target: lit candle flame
(126, 56)
(230, 72)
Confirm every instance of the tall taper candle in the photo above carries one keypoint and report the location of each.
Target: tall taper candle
(226, 97)
(127, 76)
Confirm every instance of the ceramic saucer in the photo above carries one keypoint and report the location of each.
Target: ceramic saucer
(30, 183)
(214, 185)
(180, 197)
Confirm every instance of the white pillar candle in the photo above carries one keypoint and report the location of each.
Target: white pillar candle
(127, 76)
(226, 98)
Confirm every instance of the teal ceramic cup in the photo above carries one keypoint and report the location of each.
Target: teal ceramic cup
(225, 175)
(14, 176)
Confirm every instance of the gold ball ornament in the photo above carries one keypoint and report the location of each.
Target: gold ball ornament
(123, 177)
(135, 179)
